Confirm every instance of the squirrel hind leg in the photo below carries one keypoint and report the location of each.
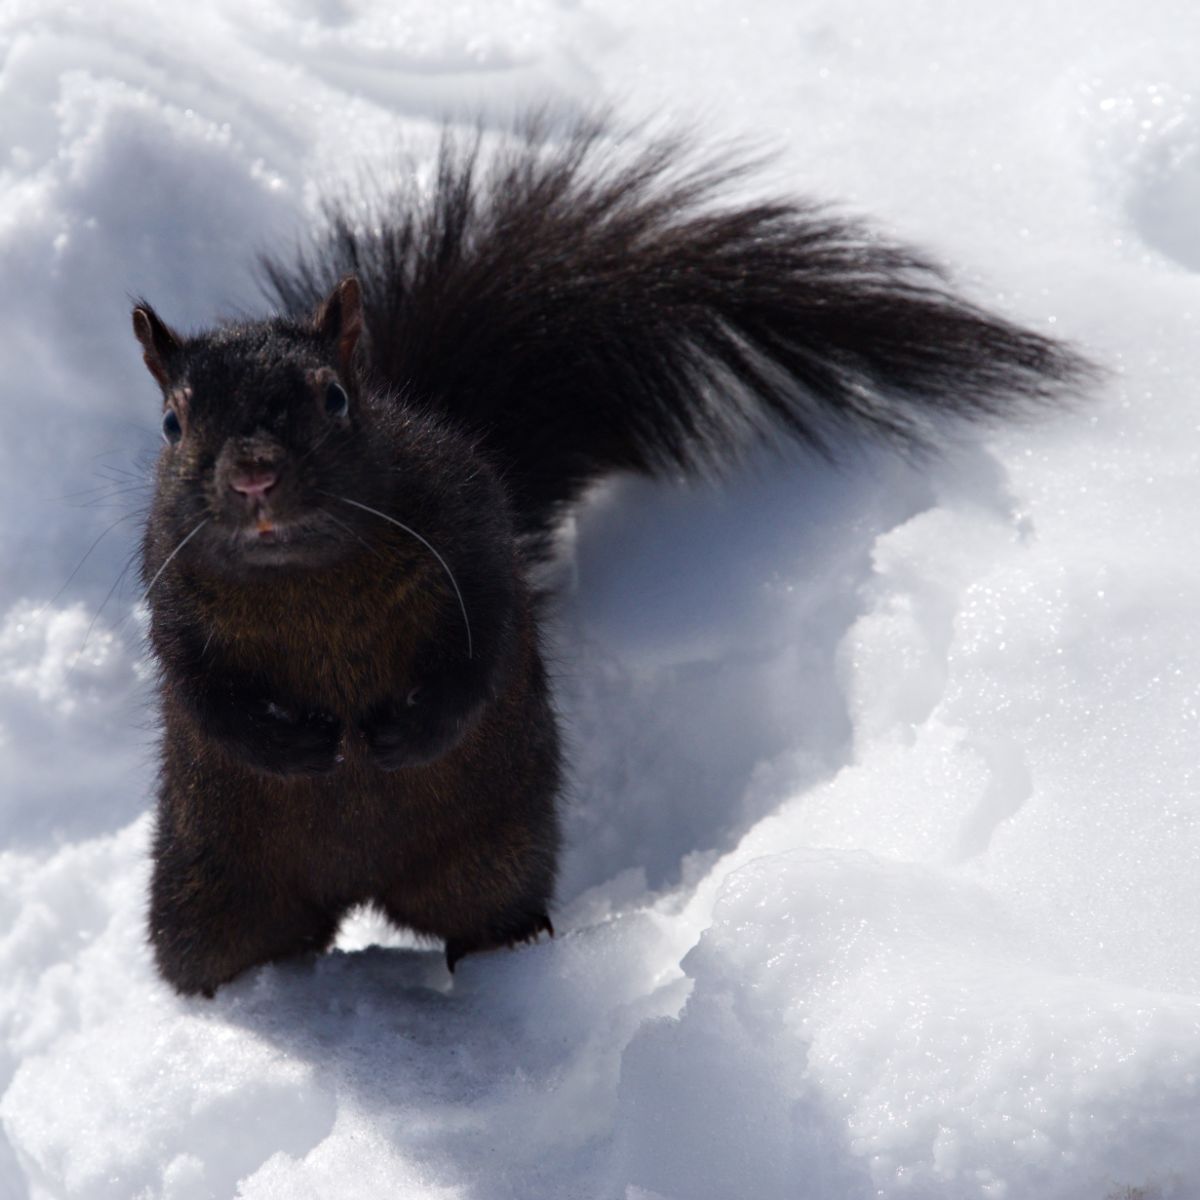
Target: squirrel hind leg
(522, 929)
(198, 952)
(210, 921)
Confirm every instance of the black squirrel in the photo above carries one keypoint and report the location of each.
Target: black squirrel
(352, 495)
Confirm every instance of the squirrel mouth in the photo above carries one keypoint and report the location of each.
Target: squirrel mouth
(267, 541)
(263, 530)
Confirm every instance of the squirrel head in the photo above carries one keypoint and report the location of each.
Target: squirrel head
(266, 426)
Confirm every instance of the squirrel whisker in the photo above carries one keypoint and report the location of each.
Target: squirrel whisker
(428, 546)
(353, 533)
(167, 560)
(103, 604)
(86, 555)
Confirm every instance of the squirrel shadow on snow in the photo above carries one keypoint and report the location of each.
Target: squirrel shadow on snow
(355, 497)
(738, 599)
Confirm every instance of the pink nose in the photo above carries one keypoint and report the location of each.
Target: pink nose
(254, 483)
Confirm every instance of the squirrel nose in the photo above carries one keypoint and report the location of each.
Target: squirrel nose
(254, 482)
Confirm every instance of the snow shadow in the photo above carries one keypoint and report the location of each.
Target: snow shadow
(697, 644)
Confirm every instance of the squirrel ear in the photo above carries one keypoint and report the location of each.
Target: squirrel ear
(159, 343)
(340, 319)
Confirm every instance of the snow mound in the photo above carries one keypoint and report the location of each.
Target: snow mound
(883, 818)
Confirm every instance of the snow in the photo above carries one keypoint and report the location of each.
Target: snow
(884, 816)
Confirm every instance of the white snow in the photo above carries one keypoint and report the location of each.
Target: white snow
(884, 818)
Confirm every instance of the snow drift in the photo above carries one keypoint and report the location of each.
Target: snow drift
(884, 815)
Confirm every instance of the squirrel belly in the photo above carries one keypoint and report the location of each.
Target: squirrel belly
(352, 493)
(251, 866)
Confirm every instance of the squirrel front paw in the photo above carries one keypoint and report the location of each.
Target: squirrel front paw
(281, 741)
(415, 730)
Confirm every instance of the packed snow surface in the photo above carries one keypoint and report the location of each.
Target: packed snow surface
(884, 817)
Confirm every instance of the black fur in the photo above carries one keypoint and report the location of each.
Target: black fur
(586, 311)
(355, 706)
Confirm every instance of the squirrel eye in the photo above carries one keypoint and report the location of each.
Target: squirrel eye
(337, 403)
(172, 431)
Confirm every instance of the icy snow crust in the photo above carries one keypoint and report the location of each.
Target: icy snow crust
(882, 876)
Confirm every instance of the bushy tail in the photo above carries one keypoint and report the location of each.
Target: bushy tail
(583, 312)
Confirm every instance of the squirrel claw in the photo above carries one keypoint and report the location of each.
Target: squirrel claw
(542, 924)
(457, 948)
